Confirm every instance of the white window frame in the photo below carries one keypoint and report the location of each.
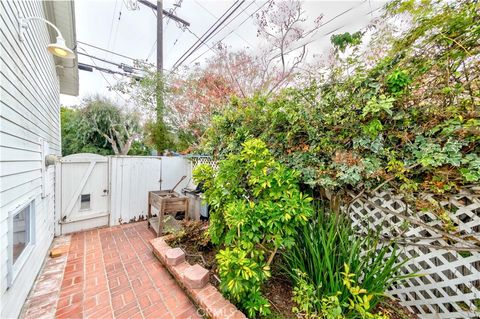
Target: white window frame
(15, 268)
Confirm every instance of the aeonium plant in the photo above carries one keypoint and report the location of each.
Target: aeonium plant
(256, 207)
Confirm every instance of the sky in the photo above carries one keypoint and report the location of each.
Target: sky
(115, 25)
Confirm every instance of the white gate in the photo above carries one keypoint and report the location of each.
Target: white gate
(82, 199)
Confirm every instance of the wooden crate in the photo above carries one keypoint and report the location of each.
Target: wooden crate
(166, 202)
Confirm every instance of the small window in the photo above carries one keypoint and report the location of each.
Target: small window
(84, 201)
(21, 232)
(21, 238)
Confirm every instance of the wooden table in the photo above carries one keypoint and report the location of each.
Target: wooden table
(167, 202)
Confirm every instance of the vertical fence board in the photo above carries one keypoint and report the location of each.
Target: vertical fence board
(132, 177)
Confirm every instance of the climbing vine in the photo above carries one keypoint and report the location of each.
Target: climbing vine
(412, 118)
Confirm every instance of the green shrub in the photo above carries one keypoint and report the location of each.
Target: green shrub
(326, 245)
(409, 101)
(256, 208)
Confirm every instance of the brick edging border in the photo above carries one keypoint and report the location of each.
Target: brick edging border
(194, 280)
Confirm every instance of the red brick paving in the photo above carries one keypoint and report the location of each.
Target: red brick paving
(112, 273)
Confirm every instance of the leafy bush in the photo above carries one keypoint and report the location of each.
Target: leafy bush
(328, 246)
(408, 115)
(256, 208)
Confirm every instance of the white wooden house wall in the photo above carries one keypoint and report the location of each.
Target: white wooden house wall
(29, 126)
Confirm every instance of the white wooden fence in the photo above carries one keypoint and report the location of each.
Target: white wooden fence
(448, 262)
(95, 191)
(132, 177)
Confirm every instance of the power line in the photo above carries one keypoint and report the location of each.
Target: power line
(212, 26)
(86, 67)
(233, 30)
(165, 13)
(118, 26)
(323, 25)
(111, 24)
(115, 53)
(245, 20)
(238, 34)
(206, 37)
(122, 66)
(152, 49)
(336, 29)
(103, 76)
(296, 48)
(175, 42)
(173, 10)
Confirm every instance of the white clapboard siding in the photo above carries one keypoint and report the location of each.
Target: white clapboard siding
(12, 168)
(14, 141)
(34, 43)
(29, 115)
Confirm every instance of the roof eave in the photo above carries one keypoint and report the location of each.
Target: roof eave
(62, 14)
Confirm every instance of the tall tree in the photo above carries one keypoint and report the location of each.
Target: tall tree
(102, 127)
(286, 31)
(194, 94)
(78, 136)
(143, 93)
(119, 127)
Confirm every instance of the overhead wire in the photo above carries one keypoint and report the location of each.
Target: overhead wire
(176, 5)
(233, 30)
(111, 24)
(112, 52)
(245, 20)
(131, 5)
(122, 66)
(336, 29)
(175, 43)
(324, 24)
(209, 12)
(118, 26)
(102, 69)
(172, 11)
(227, 14)
(101, 73)
(152, 49)
(212, 26)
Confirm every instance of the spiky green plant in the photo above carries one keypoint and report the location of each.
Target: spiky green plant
(328, 243)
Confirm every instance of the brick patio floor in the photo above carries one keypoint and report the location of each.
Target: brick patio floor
(112, 273)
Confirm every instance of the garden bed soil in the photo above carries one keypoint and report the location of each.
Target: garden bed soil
(198, 250)
(394, 310)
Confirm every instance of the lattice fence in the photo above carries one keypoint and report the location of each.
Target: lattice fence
(448, 261)
(197, 160)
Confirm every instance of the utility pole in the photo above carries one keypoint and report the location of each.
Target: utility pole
(161, 127)
(160, 105)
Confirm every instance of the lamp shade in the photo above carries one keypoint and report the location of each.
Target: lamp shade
(60, 49)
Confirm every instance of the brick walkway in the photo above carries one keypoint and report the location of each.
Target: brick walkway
(112, 273)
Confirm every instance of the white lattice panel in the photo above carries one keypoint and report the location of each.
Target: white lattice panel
(450, 265)
(197, 160)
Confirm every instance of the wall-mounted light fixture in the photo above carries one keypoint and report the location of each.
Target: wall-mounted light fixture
(58, 48)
